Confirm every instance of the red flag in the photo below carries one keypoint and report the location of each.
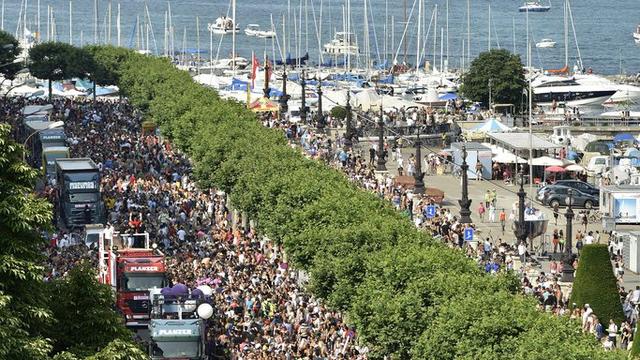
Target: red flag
(254, 69)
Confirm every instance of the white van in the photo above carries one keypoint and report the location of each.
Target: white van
(597, 165)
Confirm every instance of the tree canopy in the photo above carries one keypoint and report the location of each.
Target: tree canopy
(9, 51)
(500, 68)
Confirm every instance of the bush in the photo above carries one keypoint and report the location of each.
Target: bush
(339, 112)
(635, 346)
(596, 285)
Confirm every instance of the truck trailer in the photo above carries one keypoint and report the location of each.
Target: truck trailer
(79, 200)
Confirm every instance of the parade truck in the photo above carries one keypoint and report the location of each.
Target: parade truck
(178, 325)
(79, 200)
(49, 156)
(39, 136)
(132, 272)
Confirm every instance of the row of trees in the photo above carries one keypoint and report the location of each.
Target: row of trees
(407, 295)
(53, 61)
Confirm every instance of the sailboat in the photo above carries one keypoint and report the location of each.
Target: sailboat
(342, 44)
(636, 35)
(224, 25)
(534, 6)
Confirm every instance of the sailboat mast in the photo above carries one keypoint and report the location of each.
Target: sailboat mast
(435, 35)
(95, 21)
(441, 49)
(468, 61)
(109, 24)
(198, 44)
(447, 21)
(118, 24)
(566, 36)
(233, 37)
(71, 22)
(489, 42)
(38, 20)
(404, 60)
(513, 33)
(419, 35)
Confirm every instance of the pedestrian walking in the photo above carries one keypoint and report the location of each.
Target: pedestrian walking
(492, 213)
(556, 212)
(555, 239)
(503, 220)
(481, 211)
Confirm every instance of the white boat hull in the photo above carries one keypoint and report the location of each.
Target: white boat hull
(595, 101)
(546, 45)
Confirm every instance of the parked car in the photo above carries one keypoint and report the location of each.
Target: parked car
(558, 195)
(574, 184)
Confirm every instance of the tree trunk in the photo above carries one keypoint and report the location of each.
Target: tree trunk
(50, 93)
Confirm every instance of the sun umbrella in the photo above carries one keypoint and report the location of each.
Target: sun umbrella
(547, 161)
(555, 169)
(574, 167)
(624, 137)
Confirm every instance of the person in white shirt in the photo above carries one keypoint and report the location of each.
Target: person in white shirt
(613, 332)
(588, 240)
(585, 315)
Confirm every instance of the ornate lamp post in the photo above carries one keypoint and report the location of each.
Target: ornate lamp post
(567, 266)
(284, 107)
(521, 231)
(348, 135)
(418, 176)
(266, 90)
(303, 105)
(320, 116)
(465, 202)
(381, 160)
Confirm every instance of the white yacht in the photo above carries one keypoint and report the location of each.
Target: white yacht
(342, 44)
(546, 43)
(575, 91)
(636, 35)
(534, 6)
(224, 25)
(254, 30)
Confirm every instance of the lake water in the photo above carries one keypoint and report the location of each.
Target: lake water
(603, 28)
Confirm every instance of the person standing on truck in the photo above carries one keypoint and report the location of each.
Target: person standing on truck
(87, 215)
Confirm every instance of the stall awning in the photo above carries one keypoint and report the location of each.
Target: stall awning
(264, 105)
(520, 141)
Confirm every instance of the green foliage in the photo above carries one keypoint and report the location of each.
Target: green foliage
(409, 297)
(596, 285)
(505, 72)
(58, 61)
(9, 51)
(120, 350)
(339, 112)
(84, 309)
(22, 313)
(635, 346)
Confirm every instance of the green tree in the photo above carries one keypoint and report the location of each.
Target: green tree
(22, 313)
(120, 350)
(503, 70)
(339, 112)
(9, 51)
(55, 61)
(83, 308)
(596, 285)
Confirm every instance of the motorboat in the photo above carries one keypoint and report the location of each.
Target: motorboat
(224, 25)
(254, 30)
(546, 43)
(575, 91)
(342, 44)
(534, 6)
(636, 35)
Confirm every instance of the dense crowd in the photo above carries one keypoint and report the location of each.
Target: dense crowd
(262, 310)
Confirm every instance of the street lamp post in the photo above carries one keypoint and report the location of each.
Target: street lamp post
(303, 105)
(521, 231)
(284, 107)
(381, 160)
(320, 116)
(567, 266)
(348, 135)
(465, 202)
(418, 176)
(266, 90)
(53, 125)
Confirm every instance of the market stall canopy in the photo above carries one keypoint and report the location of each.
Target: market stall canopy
(493, 126)
(264, 105)
(549, 161)
(367, 99)
(519, 141)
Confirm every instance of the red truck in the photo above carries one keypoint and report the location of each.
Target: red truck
(132, 272)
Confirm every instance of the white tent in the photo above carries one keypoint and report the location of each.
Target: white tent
(492, 125)
(23, 90)
(367, 99)
(389, 102)
(549, 161)
(508, 158)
